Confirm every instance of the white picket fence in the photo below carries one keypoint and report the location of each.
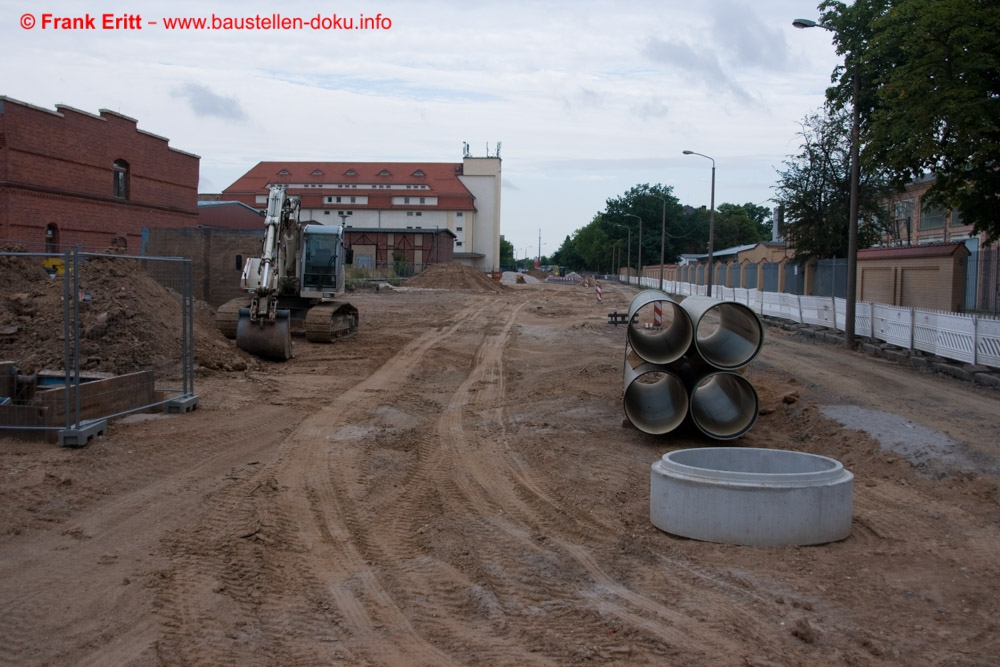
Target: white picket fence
(974, 339)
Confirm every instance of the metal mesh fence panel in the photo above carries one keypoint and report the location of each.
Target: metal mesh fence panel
(89, 337)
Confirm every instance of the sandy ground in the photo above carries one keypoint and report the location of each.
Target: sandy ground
(455, 485)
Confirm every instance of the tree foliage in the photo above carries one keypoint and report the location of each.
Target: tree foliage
(593, 247)
(741, 224)
(929, 74)
(506, 253)
(815, 192)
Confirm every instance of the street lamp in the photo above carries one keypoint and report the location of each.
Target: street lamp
(638, 270)
(711, 225)
(852, 224)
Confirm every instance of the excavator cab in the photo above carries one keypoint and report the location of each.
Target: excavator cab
(322, 261)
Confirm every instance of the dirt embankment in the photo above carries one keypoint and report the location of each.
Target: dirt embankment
(128, 321)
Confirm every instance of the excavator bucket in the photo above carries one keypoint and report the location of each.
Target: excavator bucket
(270, 340)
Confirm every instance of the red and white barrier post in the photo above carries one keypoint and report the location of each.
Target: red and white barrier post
(598, 290)
(658, 314)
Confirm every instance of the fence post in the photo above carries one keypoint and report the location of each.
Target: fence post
(975, 340)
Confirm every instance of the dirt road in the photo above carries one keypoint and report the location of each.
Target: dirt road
(455, 486)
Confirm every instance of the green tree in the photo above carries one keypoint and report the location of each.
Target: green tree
(506, 253)
(814, 190)
(568, 256)
(741, 224)
(929, 74)
(653, 205)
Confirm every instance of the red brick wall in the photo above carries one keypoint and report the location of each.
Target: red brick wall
(214, 254)
(57, 167)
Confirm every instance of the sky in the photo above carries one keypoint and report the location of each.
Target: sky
(582, 99)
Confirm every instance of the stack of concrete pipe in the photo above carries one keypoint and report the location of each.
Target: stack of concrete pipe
(690, 365)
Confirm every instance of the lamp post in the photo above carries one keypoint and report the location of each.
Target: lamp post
(852, 223)
(663, 235)
(638, 269)
(711, 225)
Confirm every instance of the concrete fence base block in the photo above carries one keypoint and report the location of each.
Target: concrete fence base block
(748, 496)
(182, 404)
(82, 433)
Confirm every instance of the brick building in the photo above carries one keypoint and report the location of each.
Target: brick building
(69, 178)
(916, 223)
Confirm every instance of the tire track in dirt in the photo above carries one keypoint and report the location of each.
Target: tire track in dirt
(476, 481)
(295, 546)
(498, 483)
(120, 569)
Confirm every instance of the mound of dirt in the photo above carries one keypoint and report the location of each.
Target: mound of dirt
(128, 321)
(454, 276)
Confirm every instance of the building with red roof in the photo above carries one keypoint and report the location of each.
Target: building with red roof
(372, 197)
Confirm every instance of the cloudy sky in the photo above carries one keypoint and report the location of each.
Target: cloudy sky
(584, 98)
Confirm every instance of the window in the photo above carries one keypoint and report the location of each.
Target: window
(326, 213)
(384, 172)
(406, 200)
(458, 243)
(350, 172)
(422, 200)
(353, 200)
(458, 215)
(338, 200)
(51, 238)
(902, 215)
(409, 213)
(329, 200)
(283, 172)
(458, 229)
(317, 172)
(420, 212)
(239, 262)
(121, 179)
(932, 218)
(418, 172)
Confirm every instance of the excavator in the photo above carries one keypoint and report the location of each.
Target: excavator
(291, 288)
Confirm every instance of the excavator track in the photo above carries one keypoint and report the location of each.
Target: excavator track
(331, 321)
(227, 317)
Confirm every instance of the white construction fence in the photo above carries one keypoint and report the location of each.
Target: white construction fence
(973, 339)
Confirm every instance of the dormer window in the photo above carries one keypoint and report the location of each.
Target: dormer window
(284, 172)
(419, 173)
(350, 172)
(384, 172)
(317, 172)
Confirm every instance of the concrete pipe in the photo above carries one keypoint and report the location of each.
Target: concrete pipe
(724, 405)
(665, 343)
(727, 334)
(759, 497)
(656, 400)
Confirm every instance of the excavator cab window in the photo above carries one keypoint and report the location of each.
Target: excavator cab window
(321, 262)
